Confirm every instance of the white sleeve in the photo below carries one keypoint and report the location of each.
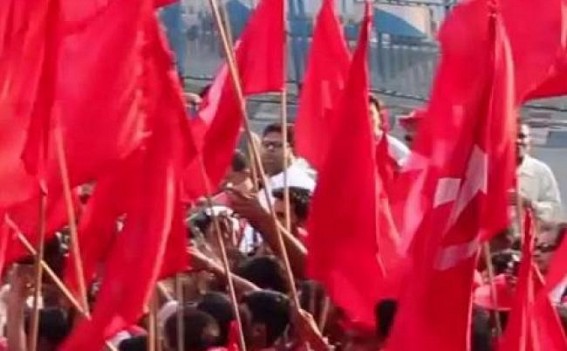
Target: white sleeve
(398, 150)
(548, 204)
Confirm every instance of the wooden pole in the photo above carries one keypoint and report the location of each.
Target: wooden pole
(233, 70)
(179, 313)
(224, 257)
(74, 239)
(152, 322)
(62, 287)
(493, 291)
(38, 280)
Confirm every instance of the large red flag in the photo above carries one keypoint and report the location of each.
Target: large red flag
(547, 328)
(461, 167)
(537, 39)
(518, 334)
(152, 211)
(325, 77)
(533, 324)
(260, 56)
(96, 99)
(343, 250)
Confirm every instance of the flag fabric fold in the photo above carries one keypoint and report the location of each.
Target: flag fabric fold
(259, 54)
(464, 177)
(327, 70)
(343, 246)
(153, 214)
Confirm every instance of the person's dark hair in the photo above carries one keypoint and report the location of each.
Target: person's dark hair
(506, 261)
(204, 91)
(271, 309)
(54, 326)
(218, 306)
(201, 330)
(239, 161)
(277, 128)
(265, 271)
(136, 343)
(480, 330)
(373, 100)
(300, 198)
(385, 313)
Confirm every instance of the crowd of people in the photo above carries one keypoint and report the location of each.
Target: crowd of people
(196, 311)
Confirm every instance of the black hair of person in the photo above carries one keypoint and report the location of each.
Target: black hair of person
(271, 309)
(219, 306)
(266, 272)
(277, 128)
(201, 330)
(300, 198)
(136, 343)
(385, 313)
(239, 161)
(54, 325)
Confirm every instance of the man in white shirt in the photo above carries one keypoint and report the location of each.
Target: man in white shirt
(538, 186)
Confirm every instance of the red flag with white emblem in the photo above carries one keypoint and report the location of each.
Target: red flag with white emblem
(466, 174)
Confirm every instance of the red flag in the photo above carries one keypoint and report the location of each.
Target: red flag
(533, 324)
(26, 217)
(557, 270)
(325, 77)
(342, 243)
(259, 58)
(97, 100)
(554, 85)
(20, 68)
(99, 221)
(151, 213)
(518, 334)
(547, 327)
(461, 161)
(36, 148)
(537, 38)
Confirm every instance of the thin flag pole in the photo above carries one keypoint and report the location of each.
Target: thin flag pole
(38, 280)
(224, 256)
(229, 53)
(51, 274)
(74, 238)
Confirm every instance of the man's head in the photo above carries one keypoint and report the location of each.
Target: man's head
(218, 306)
(548, 240)
(266, 272)
(523, 141)
(136, 343)
(239, 172)
(273, 150)
(376, 111)
(267, 314)
(53, 328)
(200, 333)
(299, 200)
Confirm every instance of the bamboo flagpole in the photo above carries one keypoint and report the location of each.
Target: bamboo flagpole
(74, 239)
(179, 313)
(38, 279)
(51, 274)
(152, 321)
(233, 70)
(224, 256)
